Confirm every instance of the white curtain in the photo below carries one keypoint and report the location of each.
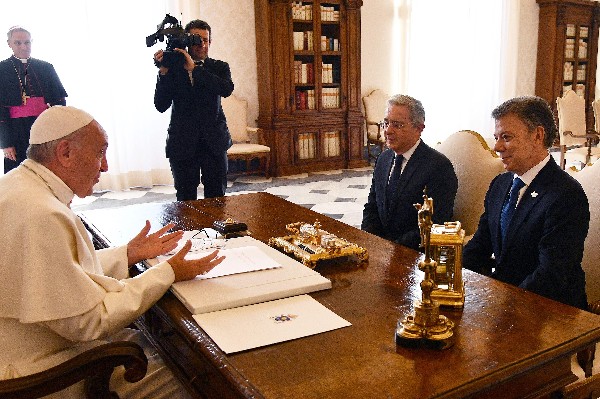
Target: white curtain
(457, 57)
(99, 52)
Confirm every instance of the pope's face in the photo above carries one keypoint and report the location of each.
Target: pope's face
(199, 52)
(89, 160)
(20, 43)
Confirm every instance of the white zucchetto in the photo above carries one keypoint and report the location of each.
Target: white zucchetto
(57, 122)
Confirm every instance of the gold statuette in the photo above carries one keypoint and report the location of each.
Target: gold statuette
(426, 326)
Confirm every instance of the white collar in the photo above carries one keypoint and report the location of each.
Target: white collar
(533, 172)
(408, 153)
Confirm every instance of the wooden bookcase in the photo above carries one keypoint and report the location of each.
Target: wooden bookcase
(308, 55)
(567, 50)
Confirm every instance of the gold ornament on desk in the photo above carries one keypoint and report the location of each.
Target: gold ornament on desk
(446, 247)
(311, 244)
(426, 326)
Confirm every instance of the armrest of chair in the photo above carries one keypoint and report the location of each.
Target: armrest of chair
(257, 135)
(591, 136)
(371, 123)
(95, 366)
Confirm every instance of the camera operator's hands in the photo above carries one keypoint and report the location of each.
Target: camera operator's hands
(158, 57)
(188, 64)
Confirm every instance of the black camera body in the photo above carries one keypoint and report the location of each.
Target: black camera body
(176, 36)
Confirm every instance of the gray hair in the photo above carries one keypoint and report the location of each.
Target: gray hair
(45, 152)
(16, 29)
(416, 110)
(533, 112)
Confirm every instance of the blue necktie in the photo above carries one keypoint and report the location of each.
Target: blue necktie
(394, 178)
(508, 209)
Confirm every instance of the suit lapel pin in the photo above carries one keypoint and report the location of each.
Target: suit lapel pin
(534, 194)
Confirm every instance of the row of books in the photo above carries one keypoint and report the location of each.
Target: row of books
(331, 144)
(583, 30)
(329, 74)
(329, 13)
(568, 71)
(304, 72)
(570, 48)
(307, 147)
(329, 44)
(330, 97)
(305, 99)
(301, 11)
(304, 12)
(303, 40)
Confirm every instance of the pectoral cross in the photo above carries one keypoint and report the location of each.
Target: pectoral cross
(24, 97)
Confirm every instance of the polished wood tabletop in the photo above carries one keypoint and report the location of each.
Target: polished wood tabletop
(509, 343)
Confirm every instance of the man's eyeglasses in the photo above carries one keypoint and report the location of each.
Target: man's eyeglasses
(395, 124)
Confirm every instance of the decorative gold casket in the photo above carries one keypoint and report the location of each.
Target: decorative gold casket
(310, 244)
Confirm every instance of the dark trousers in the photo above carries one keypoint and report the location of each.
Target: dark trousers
(21, 127)
(205, 166)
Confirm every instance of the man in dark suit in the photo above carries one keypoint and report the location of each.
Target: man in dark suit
(401, 174)
(531, 235)
(198, 137)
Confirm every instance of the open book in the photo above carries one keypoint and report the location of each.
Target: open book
(281, 277)
(253, 298)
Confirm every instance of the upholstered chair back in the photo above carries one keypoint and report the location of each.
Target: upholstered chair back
(475, 165)
(589, 178)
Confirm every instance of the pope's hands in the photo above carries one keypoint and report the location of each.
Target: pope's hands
(187, 269)
(146, 246)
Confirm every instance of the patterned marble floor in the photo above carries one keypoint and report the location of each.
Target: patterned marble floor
(340, 194)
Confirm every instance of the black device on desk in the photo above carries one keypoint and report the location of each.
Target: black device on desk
(230, 228)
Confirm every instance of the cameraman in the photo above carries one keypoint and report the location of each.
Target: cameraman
(198, 137)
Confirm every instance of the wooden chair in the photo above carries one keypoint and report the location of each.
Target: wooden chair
(248, 142)
(588, 388)
(375, 104)
(588, 178)
(94, 367)
(577, 144)
(475, 165)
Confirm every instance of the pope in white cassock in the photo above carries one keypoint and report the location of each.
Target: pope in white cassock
(59, 296)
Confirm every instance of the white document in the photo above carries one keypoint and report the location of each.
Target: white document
(239, 260)
(209, 295)
(267, 323)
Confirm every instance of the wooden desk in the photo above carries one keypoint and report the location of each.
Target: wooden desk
(509, 343)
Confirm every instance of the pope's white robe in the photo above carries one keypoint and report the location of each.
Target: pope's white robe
(58, 296)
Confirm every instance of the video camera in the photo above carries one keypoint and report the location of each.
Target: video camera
(177, 37)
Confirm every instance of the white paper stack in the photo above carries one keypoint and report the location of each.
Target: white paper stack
(267, 323)
(283, 277)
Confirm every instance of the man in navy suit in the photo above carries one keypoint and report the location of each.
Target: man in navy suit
(401, 174)
(531, 236)
(198, 137)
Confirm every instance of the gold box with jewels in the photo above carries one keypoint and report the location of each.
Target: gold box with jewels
(310, 244)
(446, 245)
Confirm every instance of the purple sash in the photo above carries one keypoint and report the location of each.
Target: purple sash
(34, 107)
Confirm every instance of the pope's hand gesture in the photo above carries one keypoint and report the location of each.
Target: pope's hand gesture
(146, 246)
